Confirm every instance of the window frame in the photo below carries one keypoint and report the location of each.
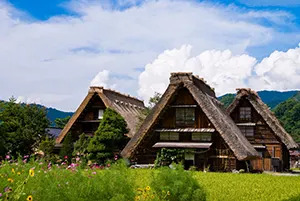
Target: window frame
(245, 113)
(185, 116)
(169, 136)
(245, 131)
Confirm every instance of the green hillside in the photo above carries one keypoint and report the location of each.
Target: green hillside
(288, 112)
(271, 98)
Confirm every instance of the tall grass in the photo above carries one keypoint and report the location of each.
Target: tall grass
(118, 183)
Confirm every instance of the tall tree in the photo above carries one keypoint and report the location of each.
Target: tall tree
(109, 137)
(61, 122)
(22, 127)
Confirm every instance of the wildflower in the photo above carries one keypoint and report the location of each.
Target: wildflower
(137, 198)
(77, 159)
(140, 189)
(13, 170)
(8, 189)
(108, 165)
(31, 172)
(29, 198)
(66, 157)
(7, 157)
(0, 194)
(94, 173)
(148, 188)
(168, 193)
(19, 173)
(10, 180)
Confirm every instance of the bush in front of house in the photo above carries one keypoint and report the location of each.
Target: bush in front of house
(109, 137)
(177, 184)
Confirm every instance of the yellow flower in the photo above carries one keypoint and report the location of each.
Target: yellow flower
(139, 189)
(168, 193)
(137, 198)
(10, 180)
(29, 198)
(31, 172)
(13, 170)
(148, 188)
(18, 173)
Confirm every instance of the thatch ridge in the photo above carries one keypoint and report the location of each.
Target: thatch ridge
(268, 116)
(127, 106)
(206, 99)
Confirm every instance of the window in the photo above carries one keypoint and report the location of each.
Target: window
(245, 113)
(206, 137)
(185, 116)
(168, 136)
(247, 130)
(100, 114)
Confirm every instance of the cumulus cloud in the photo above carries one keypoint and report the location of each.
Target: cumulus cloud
(279, 71)
(223, 70)
(60, 56)
(101, 79)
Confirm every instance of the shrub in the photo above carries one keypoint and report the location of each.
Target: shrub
(177, 184)
(67, 147)
(109, 138)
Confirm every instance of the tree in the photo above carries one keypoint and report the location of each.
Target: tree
(47, 146)
(67, 147)
(22, 127)
(80, 146)
(61, 122)
(288, 114)
(109, 137)
(154, 99)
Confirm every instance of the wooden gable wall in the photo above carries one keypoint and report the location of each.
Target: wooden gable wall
(263, 135)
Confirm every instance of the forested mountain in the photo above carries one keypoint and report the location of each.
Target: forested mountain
(53, 113)
(288, 112)
(271, 98)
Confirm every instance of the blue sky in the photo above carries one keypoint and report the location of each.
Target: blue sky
(56, 49)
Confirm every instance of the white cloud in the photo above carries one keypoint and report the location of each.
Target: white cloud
(63, 54)
(280, 71)
(101, 79)
(223, 70)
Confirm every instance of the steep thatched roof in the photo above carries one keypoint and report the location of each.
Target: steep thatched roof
(206, 99)
(128, 107)
(266, 114)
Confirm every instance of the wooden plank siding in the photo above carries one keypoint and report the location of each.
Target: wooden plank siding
(219, 157)
(263, 135)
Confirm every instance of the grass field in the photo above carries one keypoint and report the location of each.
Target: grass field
(73, 183)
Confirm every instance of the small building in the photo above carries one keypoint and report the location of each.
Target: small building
(88, 116)
(189, 117)
(263, 130)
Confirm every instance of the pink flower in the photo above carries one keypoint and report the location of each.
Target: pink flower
(7, 157)
(66, 157)
(94, 173)
(108, 165)
(0, 194)
(77, 159)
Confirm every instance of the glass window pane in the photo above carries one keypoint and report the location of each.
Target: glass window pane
(174, 136)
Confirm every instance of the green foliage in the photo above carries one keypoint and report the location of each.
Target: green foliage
(167, 156)
(109, 137)
(80, 146)
(22, 127)
(121, 183)
(47, 146)
(227, 99)
(288, 113)
(154, 100)
(179, 183)
(67, 147)
(61, 122)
